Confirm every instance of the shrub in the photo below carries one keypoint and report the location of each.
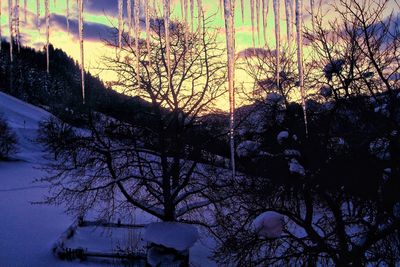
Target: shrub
(8, 140)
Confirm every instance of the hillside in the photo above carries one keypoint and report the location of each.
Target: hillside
(28, 231)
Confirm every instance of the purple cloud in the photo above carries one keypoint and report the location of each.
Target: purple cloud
(92, 31)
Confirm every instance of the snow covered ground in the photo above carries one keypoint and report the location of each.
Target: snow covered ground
(28, 231)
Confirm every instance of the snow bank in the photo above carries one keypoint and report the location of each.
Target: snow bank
(178, 236)
(268, 224)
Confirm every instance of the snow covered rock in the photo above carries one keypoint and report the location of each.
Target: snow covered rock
(282, 136)
(173, 235)
(380, 148)
(296, 168)
(247, 148)
(268, 224)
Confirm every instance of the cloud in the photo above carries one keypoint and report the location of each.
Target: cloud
(92, 31)
(109, 7)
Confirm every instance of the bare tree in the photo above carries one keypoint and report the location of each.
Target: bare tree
(153, 163)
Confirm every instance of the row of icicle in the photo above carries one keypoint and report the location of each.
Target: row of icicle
(228, 8)
(14, 29)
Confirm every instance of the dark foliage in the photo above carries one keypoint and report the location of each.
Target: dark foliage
(7, 140)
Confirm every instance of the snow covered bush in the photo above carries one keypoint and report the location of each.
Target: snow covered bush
(248, 148)
(322, 227)
(269, 224)
(8, 140)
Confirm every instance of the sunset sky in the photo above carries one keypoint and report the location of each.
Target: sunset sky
(101, 15)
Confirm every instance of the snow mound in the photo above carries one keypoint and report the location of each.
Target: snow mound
(173, 235)
(268, 224)
(296, 168)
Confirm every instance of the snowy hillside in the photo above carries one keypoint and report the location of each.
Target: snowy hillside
(24, 120)
(28, 231)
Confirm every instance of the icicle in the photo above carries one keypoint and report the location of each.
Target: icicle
(25, 9)
(1, 34)
(18, 34)
(312, 13)
(38, 14)
(252, 21)
(80, 7)
(293, 18)
(288, 22)
(11, 28)
(182, 11)
(258, 20)
(155, 8)
(46, 3)
(277, 40)
(167, 12)
(242, 9)
(120, 22)
(265, 19)
(221, 7)
(229, 11)
(199, 14)
(67, 16)
(299, 25)
(185, 7)
(129, 13)
(137, 38)
(147, 10)
(192, 14)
